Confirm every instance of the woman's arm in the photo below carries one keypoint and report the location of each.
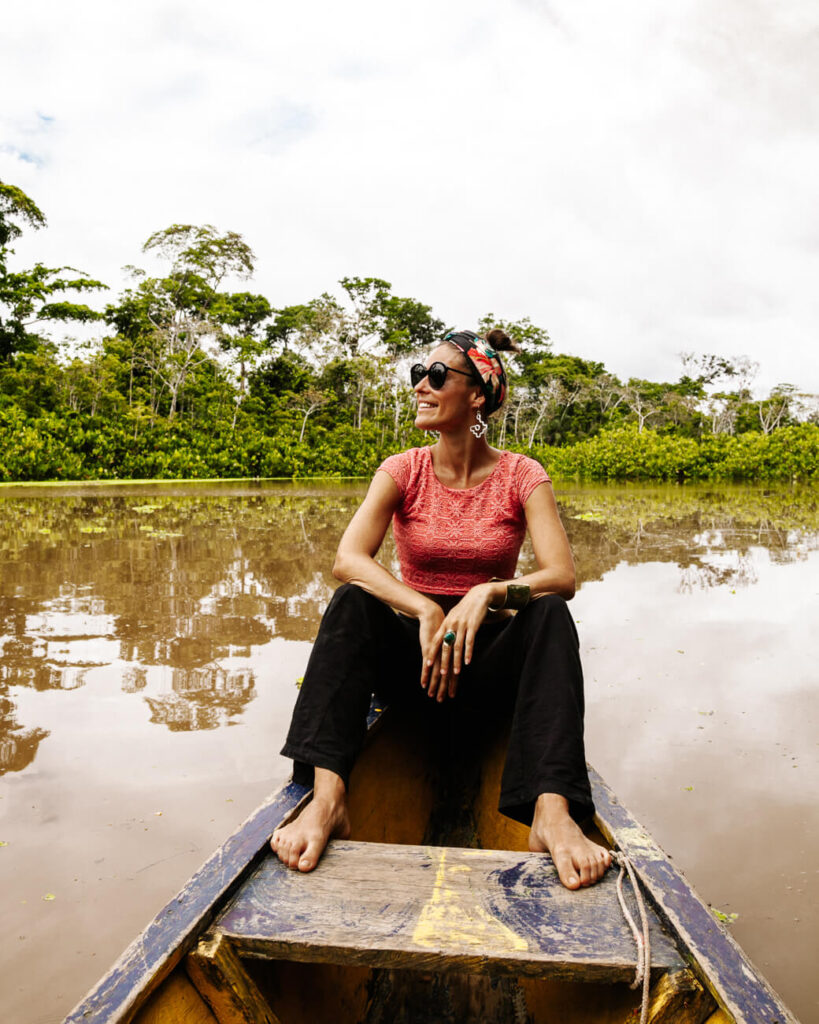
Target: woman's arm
(555, 573)
(355, 558)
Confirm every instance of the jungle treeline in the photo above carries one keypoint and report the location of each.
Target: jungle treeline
(189, 378)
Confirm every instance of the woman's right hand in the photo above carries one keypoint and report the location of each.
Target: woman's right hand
(430, 621)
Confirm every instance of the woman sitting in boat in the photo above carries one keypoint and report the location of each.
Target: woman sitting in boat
(468, 635)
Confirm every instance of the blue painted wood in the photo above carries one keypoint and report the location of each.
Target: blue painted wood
(720, 963)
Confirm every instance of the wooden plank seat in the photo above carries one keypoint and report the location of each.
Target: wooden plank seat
(437, 908)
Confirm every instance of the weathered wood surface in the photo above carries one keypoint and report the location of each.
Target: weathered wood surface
(720, 963)
(177, 1003)
(410, 997)
(679, 998)
(223, 983)
(152, 958)
(301, 993)
(719, 1017)
(435, 908)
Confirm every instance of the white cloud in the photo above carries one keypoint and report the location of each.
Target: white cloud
(638, 179)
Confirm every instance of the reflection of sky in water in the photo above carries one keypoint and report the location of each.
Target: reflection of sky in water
(127, 653)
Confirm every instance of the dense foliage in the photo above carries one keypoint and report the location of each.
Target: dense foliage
(195, 380)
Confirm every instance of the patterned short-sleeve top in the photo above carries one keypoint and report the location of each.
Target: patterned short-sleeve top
(449, 540)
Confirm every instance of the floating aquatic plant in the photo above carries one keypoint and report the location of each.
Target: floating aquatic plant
(591, 517)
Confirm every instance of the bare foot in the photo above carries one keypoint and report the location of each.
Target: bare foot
(579, 861)
(301, 842)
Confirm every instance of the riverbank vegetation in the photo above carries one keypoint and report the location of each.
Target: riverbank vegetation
(192, 379)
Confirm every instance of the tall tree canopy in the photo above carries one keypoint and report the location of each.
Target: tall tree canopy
(33, 296)
(198, 379)
(169, 320)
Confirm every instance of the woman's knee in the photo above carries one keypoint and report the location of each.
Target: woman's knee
(350, 600)
(347, 592)
(550, 609)
(548, 604)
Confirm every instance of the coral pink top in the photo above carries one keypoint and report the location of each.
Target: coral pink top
(449, 540)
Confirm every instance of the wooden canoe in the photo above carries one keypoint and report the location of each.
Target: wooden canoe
(395, 925)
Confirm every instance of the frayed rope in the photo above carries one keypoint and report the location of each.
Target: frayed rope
(641, 936)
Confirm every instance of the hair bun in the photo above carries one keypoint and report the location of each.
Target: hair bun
(500, 340)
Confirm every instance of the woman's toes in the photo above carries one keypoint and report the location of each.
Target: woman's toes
(284, 851)
(566, 871)
(309, 858)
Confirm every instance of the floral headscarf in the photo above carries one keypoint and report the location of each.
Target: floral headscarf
(487, 364)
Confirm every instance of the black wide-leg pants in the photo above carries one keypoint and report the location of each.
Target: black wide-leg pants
(526, 667)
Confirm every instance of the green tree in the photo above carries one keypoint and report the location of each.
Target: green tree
(241, 316)
(704, 386)
(304, 328)
(356, 343)
(37, 295)
(406, 326)
(170, 320)
(645, 398)
(775, 410)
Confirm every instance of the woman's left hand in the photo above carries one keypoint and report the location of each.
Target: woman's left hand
(464, 619)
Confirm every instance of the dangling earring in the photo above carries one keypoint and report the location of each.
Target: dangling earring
(481, 427)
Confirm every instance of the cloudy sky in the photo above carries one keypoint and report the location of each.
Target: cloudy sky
(638, 178)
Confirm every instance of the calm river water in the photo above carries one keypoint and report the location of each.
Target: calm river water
(151, 637)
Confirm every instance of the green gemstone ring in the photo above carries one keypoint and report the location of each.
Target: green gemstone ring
(449, 638)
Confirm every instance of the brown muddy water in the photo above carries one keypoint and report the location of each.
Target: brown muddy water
(151, 637)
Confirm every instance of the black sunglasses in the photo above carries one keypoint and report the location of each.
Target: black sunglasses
(436, 373)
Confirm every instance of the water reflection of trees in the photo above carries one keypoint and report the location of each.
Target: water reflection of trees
(28, 661)
(170, 588)
(741, 573)
(203, 698)
(18, 746)
(182, 583)
(608, 527)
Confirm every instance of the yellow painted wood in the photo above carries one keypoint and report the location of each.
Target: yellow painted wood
(223, 983)
(720, 1017)
(679, 998)
(176, 1001)
(447, 917)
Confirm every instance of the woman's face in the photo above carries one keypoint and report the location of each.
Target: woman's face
(454, 405)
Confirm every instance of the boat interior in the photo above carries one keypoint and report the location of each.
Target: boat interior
(419, 790)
